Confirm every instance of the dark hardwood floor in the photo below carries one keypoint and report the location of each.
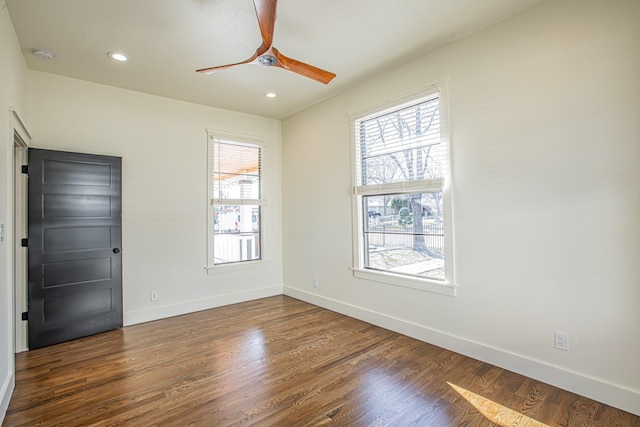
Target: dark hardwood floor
(279, 362)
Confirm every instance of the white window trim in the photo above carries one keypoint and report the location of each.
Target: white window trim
(448, 286)
(240, 139)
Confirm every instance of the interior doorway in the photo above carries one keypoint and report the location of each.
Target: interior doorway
(20, 232)
(21, 139)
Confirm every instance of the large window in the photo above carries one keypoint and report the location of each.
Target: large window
(235, 200)
(402, 193)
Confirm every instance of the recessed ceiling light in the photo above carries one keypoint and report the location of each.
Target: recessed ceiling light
(270, 95)
(43, 53)
(118, 56)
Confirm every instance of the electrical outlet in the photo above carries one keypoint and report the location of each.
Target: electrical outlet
(316, 282)
(561, 340)
(154, 296)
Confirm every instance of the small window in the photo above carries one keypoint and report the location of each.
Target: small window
(235, 200)
(402, 192)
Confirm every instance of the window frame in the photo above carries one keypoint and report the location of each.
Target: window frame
(448, 285)
(211, 201)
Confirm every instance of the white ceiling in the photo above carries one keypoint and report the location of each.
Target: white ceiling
(167, 40)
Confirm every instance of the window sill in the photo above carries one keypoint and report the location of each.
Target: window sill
(419, 284)
(236, 266)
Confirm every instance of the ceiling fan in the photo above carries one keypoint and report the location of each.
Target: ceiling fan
(269, 55)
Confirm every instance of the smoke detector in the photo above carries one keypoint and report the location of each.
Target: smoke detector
(43, 54)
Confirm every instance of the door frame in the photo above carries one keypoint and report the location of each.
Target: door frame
(21, 139)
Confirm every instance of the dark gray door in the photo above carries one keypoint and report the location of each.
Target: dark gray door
(75, 235)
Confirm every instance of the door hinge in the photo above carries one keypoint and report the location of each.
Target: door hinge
(25, 315)
(25, 169)
(24, 243)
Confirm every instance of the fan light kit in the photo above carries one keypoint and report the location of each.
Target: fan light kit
(268, 55)
(43, 54)
(118, 56)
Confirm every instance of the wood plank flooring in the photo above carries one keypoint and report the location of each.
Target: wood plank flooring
(279, 362)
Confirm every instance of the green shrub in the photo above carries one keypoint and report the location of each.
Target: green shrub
(406, 217)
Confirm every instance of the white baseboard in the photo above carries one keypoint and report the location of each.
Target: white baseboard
(162, 312)
(5, 392)
(593, 388)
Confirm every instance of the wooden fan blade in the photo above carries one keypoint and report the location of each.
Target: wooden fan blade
(212, 70)
(266, 13)
(303, 69)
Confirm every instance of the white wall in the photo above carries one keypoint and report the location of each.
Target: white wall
(163, 145)
(545, 136)
(13, 94)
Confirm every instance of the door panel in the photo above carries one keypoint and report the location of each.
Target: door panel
(76, 239)
(76, 272)
(75, 269)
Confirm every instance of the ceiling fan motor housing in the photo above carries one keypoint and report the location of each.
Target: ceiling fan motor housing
(268, 60)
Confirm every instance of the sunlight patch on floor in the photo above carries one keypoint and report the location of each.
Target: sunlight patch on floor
(496, 412)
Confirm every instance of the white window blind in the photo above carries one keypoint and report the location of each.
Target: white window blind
(235, 172)
(401, 149)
